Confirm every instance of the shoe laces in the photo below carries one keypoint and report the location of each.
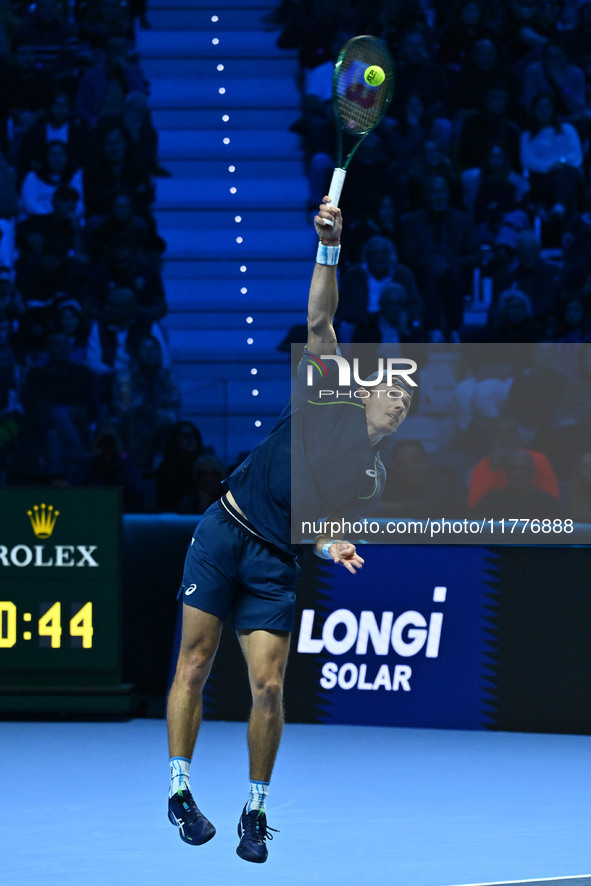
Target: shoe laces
(256, 827)
(190, 806)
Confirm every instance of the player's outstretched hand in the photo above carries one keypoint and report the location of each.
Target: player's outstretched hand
(328, 222)
(344, 552)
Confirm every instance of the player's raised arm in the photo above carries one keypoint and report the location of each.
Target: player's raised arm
(324, 297)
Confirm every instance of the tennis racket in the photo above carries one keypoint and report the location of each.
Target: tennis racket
(358, 104)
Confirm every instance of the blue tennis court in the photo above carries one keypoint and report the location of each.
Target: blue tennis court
(86, 803)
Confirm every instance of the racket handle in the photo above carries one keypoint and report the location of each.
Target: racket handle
(336, 185)
(334, 192)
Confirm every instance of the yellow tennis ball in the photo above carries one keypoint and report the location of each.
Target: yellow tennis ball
(374, 75)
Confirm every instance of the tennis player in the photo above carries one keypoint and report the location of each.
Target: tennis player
(242, 562)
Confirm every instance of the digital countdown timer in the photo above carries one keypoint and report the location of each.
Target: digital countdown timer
(48, 625)
(59, 594)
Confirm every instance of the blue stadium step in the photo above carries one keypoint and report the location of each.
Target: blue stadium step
(186, 119)
(248, 92)
(256, 245)
(266, 193)
(254, 45)
(236, 319)
(179, 17)
(243, 144)
(186, 265)
(271, 296)
(170, 66)
(239, 346)
(207, 119)
(173, 220)
(284, 168)
(238, 397)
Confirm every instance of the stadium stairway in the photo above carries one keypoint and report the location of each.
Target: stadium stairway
(233, 212)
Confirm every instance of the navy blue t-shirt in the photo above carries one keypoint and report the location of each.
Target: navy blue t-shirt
(336, 471)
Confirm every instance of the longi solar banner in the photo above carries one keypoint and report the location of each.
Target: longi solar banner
(449, 637)
(442, 444)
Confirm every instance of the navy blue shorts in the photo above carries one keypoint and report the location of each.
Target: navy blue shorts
(230, 573)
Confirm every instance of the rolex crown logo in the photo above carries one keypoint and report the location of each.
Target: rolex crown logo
(43, 519)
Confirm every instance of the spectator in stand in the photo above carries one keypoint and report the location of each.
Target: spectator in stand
(415, 488)
(110, 465)
(532, 275)
(69, 319)
(536, 392)
(555, 76)
(59, 231)
(365, 189)
(406, 139)
(580, 503)
(471, 83)
(39, 187)
(174, 474)
(8, 212)
(127, 269)
(528, 25)
(362, 288)
(58, 125)
(61, 404)
(121, 223)
(207, 476)
(576, 270)
(382, 223)
(489, 473)
(114, 172)
(145, 404)
(487, 127)
(570, 431)
(114, 339)
(432, 162)
(30, 92)
(520, 495)
(466, 24)
(51, 262)
(440, 245)
(135, 122)
(103, 87)
(416, 74)
(499, 191)
(11, 310)
(571, 321)
(53, 39)
(513, 319)
(101, 19)
(577, 40)
(552, 155)
(399, 320)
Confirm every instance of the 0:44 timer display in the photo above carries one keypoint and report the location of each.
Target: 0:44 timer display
(52, 626)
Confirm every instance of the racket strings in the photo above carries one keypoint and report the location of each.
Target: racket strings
(360, 106)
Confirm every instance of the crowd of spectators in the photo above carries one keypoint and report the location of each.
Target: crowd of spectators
(87, 392)
(468, 219)
(479, 173)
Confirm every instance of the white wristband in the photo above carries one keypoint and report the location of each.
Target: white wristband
(325, 550)
(327, 255)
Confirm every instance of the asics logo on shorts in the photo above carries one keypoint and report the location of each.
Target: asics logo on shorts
(191, 590)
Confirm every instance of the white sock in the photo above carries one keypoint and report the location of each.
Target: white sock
(258, 795)
(179, 775)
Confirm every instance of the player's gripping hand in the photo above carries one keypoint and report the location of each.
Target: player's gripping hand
(345, 553)
(328, 223)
